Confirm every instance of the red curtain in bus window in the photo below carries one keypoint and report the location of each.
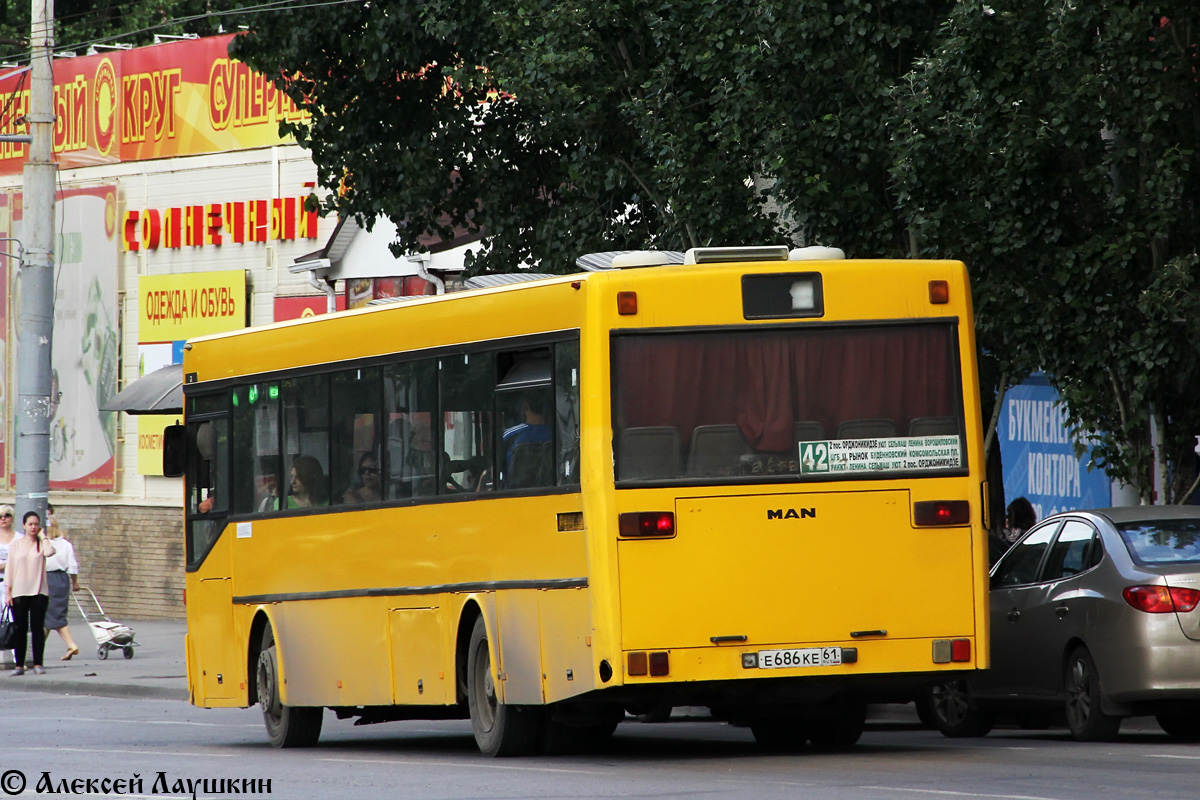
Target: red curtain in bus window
(765, 382)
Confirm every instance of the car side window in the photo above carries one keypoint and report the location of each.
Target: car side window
(1020, 564)
(1072, 551)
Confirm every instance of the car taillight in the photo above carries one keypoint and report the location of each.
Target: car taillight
(647, 523)
(1161, 599)
(942, 512)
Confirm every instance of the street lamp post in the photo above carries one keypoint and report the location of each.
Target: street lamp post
(37, 274)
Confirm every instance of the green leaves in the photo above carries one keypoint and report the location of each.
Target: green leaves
(1053, 147)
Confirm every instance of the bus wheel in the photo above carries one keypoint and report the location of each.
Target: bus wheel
(840, 731)
(780, 735)
(500, 729)
(287, 726)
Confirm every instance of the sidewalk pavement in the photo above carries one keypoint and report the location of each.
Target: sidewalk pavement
(157, 670)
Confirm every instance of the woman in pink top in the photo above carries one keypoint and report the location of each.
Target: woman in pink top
(27, 591)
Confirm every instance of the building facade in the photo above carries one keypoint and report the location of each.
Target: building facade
(179, 211)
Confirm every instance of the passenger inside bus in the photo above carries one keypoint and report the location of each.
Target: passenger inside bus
(307, 483)
(368, 485)
(528, 458)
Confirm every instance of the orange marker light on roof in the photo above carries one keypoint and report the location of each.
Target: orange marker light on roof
(939, 292)
(626, 303)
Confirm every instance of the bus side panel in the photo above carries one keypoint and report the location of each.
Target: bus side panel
(215, 673)
(519, 670)
(566, 633)
(419, 673)
(334, 654)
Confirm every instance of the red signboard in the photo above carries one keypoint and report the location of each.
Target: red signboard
(181, 98)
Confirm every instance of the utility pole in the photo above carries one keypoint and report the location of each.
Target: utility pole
(37, 273)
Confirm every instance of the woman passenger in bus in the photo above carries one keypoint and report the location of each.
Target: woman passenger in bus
(369, 482)
(307, 483)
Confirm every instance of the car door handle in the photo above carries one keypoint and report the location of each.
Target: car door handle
(1014, 615)
(1062, 611)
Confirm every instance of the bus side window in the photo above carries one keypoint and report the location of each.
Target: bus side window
(467, 384)
(410, 406)
(306, 441)
(566, 411)
(256, 480)
(356, 464)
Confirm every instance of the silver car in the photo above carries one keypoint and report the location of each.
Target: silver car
(1095, 615)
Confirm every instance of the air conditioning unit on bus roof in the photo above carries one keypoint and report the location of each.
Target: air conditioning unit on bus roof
(629, 259)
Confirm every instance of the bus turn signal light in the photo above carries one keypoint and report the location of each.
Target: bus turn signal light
(939, 293)
(1161, 599)
(941, 512)
(637, 663)
(626, 303)
(647, 523)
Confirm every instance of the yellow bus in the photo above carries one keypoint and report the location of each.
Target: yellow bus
(743, 478)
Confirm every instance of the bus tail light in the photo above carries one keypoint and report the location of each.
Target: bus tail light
(939, 292)
(946, 651)
(647, 523)
(655, 665)
(941, 512)
(1161, 599)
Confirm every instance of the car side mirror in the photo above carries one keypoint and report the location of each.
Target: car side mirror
(174, 450)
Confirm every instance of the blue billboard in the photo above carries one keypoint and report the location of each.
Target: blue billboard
(1038, 452)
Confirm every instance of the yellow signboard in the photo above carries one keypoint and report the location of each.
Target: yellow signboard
(174, 307)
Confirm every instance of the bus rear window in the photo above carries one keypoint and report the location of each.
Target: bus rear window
(834, 402)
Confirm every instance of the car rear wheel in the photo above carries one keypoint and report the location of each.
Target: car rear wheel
(1085, 717)
(1179, 726)
(953, 713)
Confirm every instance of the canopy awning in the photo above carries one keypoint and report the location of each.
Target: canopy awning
(158, 392)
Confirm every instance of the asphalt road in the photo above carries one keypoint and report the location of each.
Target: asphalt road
(75, 738)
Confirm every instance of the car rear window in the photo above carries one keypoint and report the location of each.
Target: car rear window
(1166, 541)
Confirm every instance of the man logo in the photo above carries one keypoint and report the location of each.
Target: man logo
(791, 513)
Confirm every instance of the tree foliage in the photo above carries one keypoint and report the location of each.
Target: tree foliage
(1052, 146)
(80, 23)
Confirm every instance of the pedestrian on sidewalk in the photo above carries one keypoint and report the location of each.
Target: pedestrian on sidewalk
(26, 590)
(7, 535)
(62, 576)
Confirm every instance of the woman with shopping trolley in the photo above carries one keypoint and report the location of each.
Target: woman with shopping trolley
(62, 576)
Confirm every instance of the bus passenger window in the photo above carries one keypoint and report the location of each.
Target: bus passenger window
(357, 394)
(256, 448)
(566, 411)
(467, 391)
(410, 407)
(306, 440)
(525, 422)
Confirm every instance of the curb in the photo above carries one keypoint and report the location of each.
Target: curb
(122, 691)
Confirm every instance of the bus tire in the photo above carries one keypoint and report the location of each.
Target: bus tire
(500, 729)
(287, 726)
(840, 731)
(780, 735)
